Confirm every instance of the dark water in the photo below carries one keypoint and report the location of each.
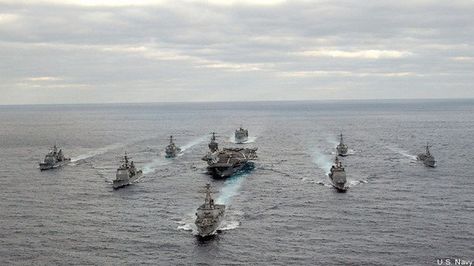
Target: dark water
(396, 212)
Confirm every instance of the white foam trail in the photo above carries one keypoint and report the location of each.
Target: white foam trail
(231, 188)
(228, 225)
(332, 141)
(97, 152)
(322, 161)
(187, 224)
(153, 165)
(251, 139)
(351, 152)
(402, 152)
(192, 144)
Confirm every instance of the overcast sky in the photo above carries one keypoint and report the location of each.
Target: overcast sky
(71, 51)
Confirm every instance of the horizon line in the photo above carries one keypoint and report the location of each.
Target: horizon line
(240, 101)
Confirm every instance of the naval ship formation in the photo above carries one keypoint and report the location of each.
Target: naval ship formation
(221, 163)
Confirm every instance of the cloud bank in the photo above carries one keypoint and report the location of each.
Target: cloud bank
(73, 51)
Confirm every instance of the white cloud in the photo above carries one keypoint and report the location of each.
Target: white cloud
(45, 78)
(358, 54)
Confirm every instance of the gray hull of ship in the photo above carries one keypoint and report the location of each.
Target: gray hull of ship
(44, 166)
(122, 183)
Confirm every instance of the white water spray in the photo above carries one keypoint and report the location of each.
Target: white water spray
(322, 161)
(251, 139)
(193, 143)
(230, 189)
(154, 164)
(402, 152)
(96, 152)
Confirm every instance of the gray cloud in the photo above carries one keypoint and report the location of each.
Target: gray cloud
(64, 52)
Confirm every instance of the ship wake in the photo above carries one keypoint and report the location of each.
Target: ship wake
(323, 161)
(154, 164)
(232, 186)
(251, 139)
(402, 152)
(192, 144)
(96, 152)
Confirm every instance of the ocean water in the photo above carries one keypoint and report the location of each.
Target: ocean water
(396, 212)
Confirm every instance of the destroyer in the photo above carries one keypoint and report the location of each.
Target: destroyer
(338, 176)
(241, 135)
(341, 147)
(209, 215)
(213, 146)
(54, 159)
(427, 158)
(126, 173)
(224, 163)
(172, 150)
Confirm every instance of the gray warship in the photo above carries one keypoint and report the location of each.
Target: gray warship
(427, 158)
(213, 146)
(172, 150)
(241, 135)
(209, 215)
(126, 173)
(54, 159)
(337, 175)
(341, 147)
(228, 161)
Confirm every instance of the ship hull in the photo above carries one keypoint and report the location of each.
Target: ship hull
(206, 228)
(340, 184)
(241, 140)
(341, 151)
(123, 183)
(427, 161)
(45, 166)
(224, 172)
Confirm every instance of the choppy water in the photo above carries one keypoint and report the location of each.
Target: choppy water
(396, 212)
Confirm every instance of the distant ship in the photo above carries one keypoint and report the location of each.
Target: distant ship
(54, 159)
(241, 135)
(337, 175)
(209, 215)
(126, 173)
(172, 150)
(341, 147)
(213, 145)
(427, 158)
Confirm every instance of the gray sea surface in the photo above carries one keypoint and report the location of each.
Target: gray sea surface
(283, 212)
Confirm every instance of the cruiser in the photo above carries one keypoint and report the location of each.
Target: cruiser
(209, 215)
(225, 163)
(126, 173)
(341, 147)
(427, 158)
(241, 135)
(338, 176)
(54, 159)
(172, 150)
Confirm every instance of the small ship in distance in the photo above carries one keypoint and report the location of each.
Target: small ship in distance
(427, 158)
(172, 150)
(341, 147)
(241, 135)
(54, 159)
(209, 215)
(126, 173)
